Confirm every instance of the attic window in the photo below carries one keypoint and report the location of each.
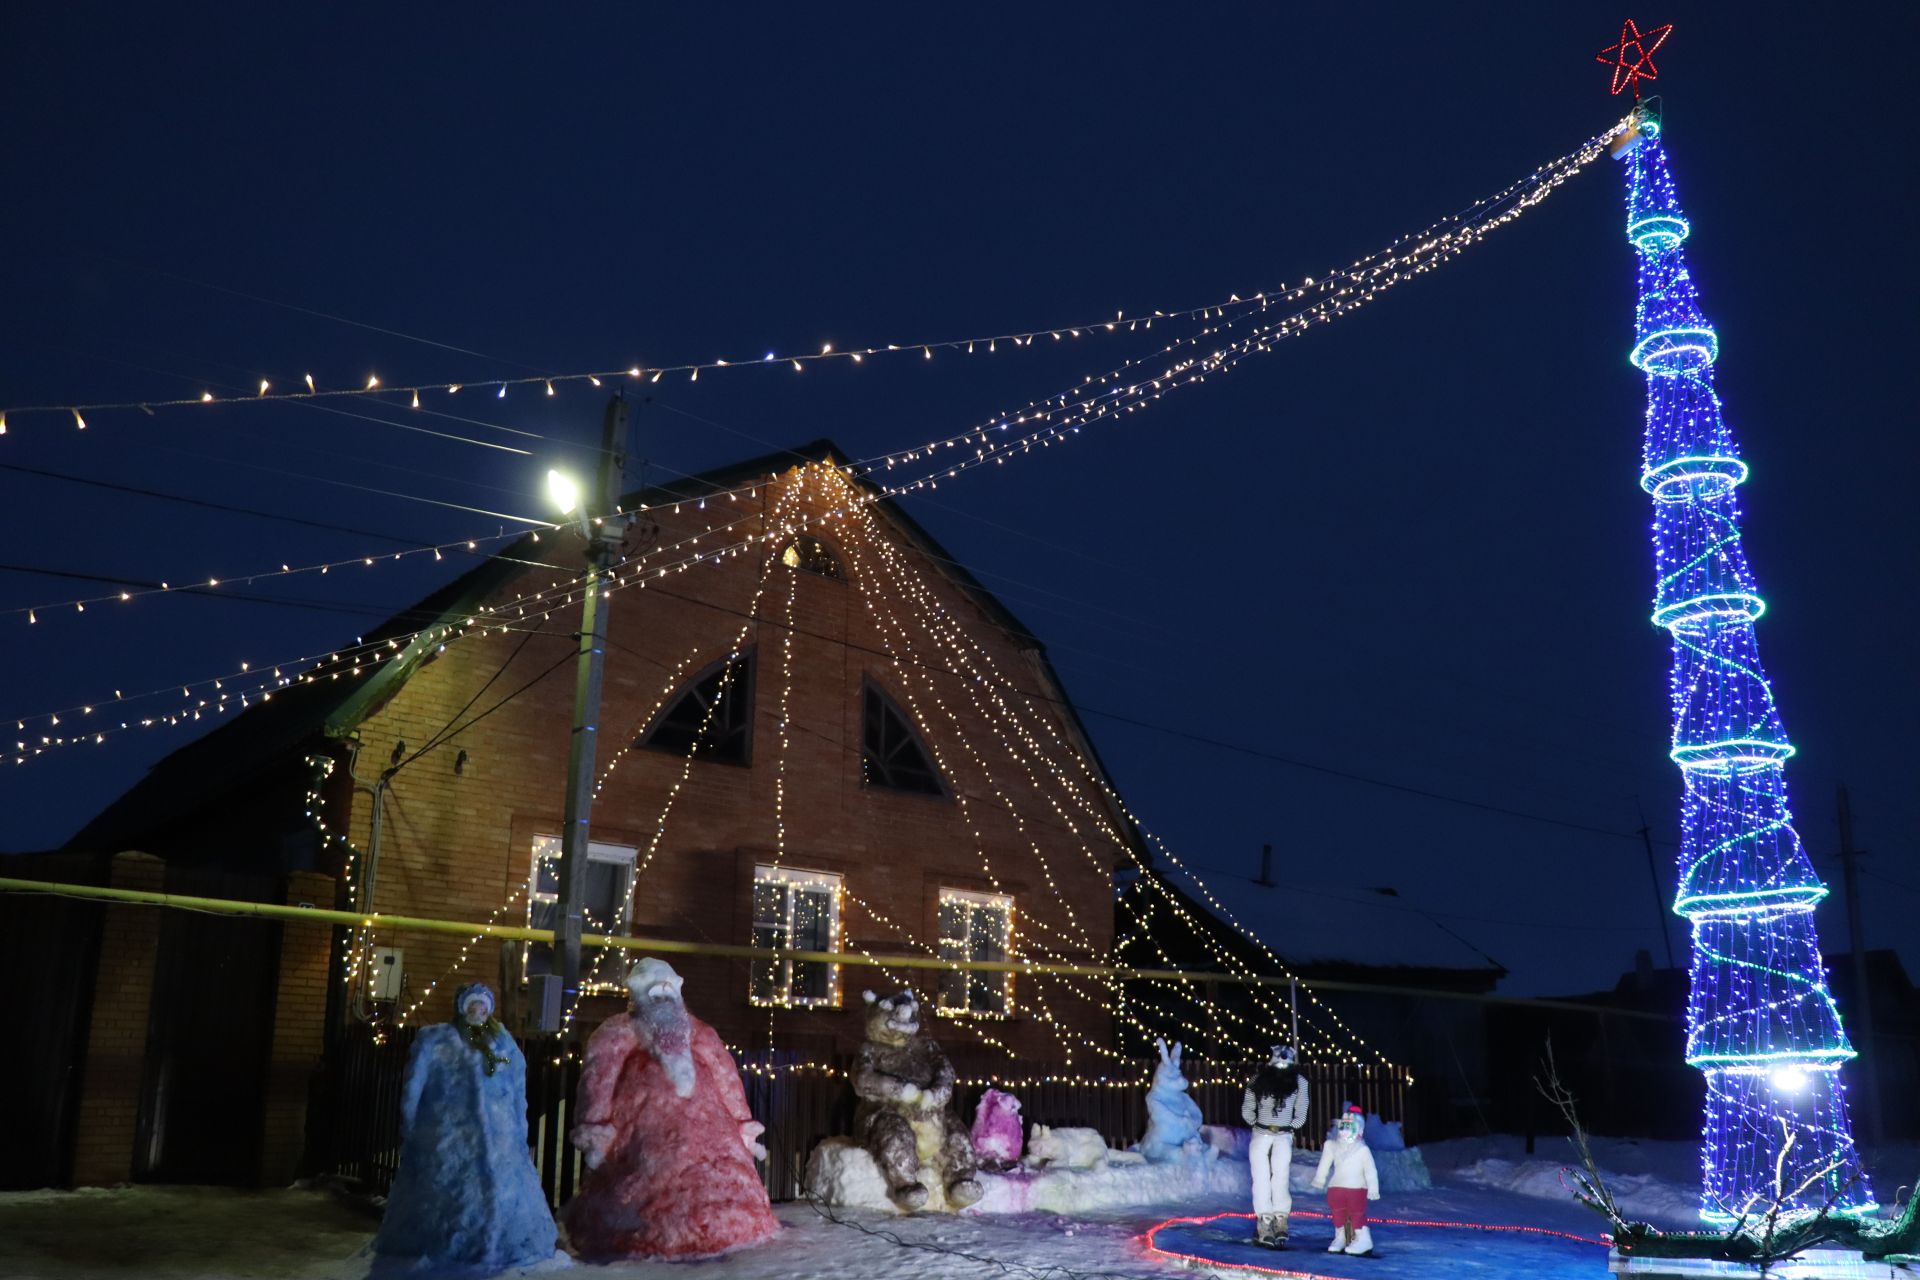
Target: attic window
(809, 553)
(712, 717)
(892, 755)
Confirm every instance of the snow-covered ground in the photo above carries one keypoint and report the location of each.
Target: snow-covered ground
(198, 1233)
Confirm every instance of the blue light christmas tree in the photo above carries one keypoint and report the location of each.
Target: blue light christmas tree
(1761, 1023)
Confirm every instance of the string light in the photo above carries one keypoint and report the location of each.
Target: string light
(1345, 291)
(284, 571)
(1762, 1025)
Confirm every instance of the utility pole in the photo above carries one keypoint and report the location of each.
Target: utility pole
(1659, 902)
(604, 526)
(1856, 943)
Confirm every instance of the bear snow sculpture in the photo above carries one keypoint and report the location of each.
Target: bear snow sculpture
(906, 1117)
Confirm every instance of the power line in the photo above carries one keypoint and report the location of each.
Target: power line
(204, 503)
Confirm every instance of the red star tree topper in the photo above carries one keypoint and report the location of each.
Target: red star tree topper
(1632, 58)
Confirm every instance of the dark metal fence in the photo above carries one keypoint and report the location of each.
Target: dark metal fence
(359, 1137)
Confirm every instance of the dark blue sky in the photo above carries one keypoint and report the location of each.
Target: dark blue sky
(1409, 546)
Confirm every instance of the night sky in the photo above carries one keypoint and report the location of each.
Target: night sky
(1379, 597)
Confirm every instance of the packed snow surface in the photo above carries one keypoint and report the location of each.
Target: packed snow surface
(177, 1233)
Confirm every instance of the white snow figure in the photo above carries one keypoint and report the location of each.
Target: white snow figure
(1173, 1118)
(1276, 1106)
(1348, 1173)
(466, 1194)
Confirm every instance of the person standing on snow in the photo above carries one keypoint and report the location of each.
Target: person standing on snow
(1276, 1106)
(1347, 1172)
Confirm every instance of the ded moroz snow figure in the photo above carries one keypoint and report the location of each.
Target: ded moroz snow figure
(1347, 1172)
(1276, 1106)
(669, 1142)
(465, 1195)
(1173, 1118)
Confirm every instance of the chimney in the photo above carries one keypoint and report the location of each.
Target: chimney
(1266, 866)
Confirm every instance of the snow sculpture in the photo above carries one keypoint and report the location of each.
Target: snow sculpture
(905, 1119)
(1173, 1118)
(668, 1139)
(466, 1194)
(997, 1130)
(1067, 1148)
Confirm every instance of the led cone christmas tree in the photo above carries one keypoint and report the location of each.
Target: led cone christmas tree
(1761, 1024)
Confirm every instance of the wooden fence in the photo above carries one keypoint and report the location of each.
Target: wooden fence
(358, 1130)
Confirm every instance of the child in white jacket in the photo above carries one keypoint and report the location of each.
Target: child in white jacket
(1347, 1172)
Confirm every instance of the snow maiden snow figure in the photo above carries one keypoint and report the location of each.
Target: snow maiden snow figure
(1347, 1172)
(1173, 1118)
(1276, 1106)
(466, 1195)
(906, 1119)
(668, 1139)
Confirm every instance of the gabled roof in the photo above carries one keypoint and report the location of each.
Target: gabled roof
(302, 716)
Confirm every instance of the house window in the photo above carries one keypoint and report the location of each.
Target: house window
(710, 719)
(976, 926)
(892, 755)
(809, 553)
(607, 905)
(798, 911)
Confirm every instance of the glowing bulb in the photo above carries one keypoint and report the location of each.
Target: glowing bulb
(373, 380)
(264, 384)
(309, 384)
(79, 421)
(563, 492)
(1789, 1079)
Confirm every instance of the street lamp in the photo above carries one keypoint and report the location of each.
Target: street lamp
(603, 526)
(563, 491)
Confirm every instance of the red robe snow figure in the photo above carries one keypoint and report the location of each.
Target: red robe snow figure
(664, 1126)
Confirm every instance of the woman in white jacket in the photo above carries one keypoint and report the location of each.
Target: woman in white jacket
(1276, 1108)
(1348, 1173)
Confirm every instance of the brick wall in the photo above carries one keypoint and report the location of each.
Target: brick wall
(457, 843)
(114, 1057)
(299, 1023)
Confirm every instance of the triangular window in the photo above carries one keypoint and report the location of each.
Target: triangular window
(712, 717)
(892, 755)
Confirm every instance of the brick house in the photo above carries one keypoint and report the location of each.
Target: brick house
(818, 730)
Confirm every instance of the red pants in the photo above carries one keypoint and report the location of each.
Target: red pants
(1348, 1206)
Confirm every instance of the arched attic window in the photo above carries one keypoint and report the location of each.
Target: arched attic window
(892, 756)
(809, 553)
(711, 717)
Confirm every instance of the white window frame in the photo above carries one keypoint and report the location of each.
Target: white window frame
(791, 877)
(964, 945)
(548, 848)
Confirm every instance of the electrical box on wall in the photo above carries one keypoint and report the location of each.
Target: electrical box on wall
(385, 974)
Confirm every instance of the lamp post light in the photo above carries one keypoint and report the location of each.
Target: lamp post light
(603, 525)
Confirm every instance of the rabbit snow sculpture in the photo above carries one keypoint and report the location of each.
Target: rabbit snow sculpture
(1173, 1118)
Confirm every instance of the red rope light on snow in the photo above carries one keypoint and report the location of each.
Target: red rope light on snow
(1151, 1245)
